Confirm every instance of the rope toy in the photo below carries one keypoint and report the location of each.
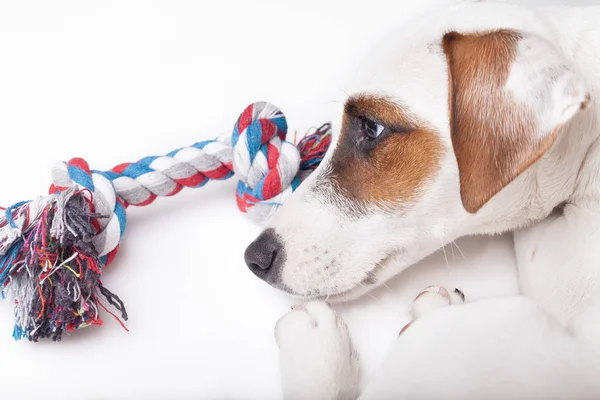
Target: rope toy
(53, 248)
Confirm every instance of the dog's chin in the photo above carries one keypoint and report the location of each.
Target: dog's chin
(349, 295)
(354, 292)
(339, 297)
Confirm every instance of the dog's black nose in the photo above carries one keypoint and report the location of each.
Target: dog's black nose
(265, 255)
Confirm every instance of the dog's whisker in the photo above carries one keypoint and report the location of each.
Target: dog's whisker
(445, 255)
(387, 287)
(383, 268)
(452, 249)
(459, 249)
(368, 293)
(345, 92)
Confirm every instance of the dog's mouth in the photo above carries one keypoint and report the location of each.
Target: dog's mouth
(369, 283)
(373, 278)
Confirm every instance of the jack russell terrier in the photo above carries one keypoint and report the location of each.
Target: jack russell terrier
(480, 119)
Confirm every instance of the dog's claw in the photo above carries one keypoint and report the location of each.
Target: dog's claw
(460, 293)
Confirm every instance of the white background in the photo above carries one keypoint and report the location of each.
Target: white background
(114, 81)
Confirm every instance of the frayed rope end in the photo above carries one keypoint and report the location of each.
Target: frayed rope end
(51, 268)
(313, 148)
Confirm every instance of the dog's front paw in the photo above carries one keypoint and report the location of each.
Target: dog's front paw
(434, 297)
(316, 355)
(431, 298)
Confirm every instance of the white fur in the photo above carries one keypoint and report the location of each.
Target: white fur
(308, 335)
(543, 345)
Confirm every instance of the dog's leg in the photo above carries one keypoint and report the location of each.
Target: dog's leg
(497, 348)
(316, 356)
(559, 264)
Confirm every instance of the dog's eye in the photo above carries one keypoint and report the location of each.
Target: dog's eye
(370, 128)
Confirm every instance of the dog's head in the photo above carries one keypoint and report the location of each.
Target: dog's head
(438, 126)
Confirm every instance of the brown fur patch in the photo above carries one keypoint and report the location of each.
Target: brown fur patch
(392, 168)
(494, 139)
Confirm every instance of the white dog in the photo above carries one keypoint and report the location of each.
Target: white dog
(483, 118)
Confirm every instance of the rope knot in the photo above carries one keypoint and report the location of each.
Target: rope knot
(266, 164)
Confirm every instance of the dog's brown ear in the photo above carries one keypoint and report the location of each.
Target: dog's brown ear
(509, 94)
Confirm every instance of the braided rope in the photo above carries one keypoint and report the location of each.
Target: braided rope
(268, 167)
(266, 164)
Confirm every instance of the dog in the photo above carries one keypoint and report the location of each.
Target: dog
(482, 118)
